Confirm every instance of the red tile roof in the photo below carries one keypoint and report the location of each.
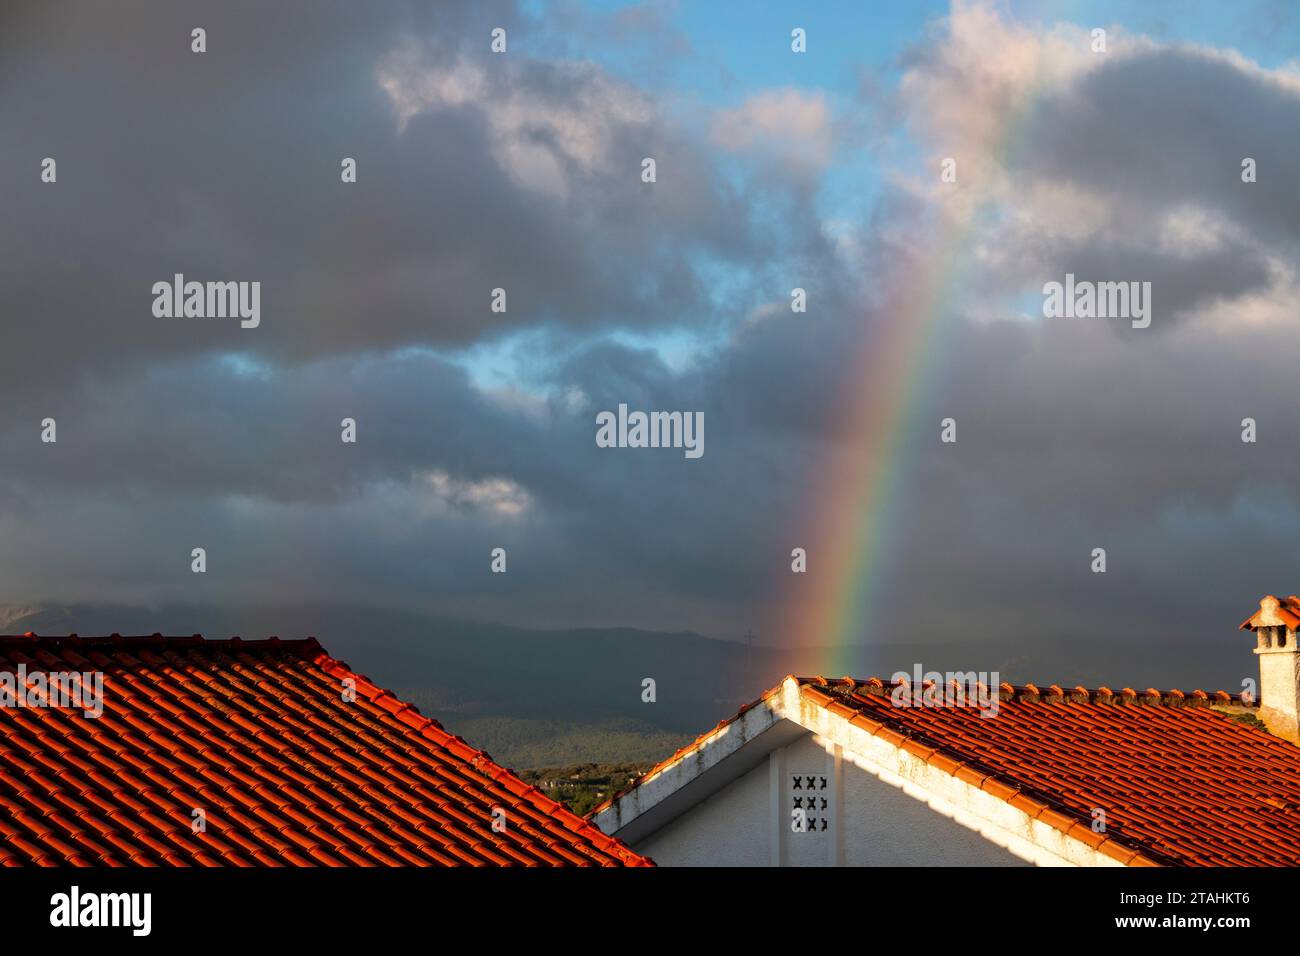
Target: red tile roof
(1180, 783)
(256, 734)
(1274, 610)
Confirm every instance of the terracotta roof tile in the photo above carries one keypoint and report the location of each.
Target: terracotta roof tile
(1286, 610)
(1180, 783)
(256, 734)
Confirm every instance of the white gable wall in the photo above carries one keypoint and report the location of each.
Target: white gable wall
(877, 824)
(730, 828)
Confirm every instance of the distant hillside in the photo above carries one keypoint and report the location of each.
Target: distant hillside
(462, 669)
(582, 787)
(520, 744)
(552, 697)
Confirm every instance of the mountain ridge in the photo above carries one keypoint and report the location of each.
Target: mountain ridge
(553, 696)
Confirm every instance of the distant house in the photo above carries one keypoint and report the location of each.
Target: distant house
(822, 772)
(247, 753)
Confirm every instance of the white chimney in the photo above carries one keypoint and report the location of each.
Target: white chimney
(1275, 626)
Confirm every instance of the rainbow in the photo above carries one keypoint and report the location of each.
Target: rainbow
(889, 412)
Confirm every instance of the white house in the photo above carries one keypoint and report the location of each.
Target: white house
(824, 772)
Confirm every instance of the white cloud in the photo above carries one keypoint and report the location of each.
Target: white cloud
(788, 125)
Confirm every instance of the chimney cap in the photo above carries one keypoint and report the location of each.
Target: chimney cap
(1275, 611)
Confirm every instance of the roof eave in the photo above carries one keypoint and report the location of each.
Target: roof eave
(697, 771)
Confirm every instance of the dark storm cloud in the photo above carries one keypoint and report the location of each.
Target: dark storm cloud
(1156, 127)
(1078, 434)
(226, 165)
(1153, 133)
(523, 172)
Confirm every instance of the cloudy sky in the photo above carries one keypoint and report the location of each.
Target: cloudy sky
(522, 170)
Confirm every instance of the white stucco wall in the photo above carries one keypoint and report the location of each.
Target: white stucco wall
(1279, 688)
(731, 828)
(875, 825)
(884, 826)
